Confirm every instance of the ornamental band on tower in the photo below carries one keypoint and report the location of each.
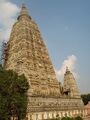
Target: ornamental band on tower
(27, 53)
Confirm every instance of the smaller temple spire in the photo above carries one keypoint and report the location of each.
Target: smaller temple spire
(23, 12)
(70, 84)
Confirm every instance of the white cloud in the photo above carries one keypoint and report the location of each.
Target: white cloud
(69, 62)
(8, 11)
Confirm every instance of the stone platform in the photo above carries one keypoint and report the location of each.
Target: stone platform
(40, 108)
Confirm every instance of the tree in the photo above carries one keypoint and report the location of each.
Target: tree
(13, 97)
(85, 98)
(3, 109)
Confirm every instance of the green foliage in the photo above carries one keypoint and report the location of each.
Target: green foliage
(78, 118)
(64, 118)
(3, 109)
(13, 98)
(67, 118)
(85, 98)
(56, 119)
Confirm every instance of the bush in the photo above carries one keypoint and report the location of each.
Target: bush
(78, 118)
(67, 118)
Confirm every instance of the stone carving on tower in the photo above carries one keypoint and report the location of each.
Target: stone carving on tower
(26, 53)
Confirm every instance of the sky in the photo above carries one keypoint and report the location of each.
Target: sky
(65, 28)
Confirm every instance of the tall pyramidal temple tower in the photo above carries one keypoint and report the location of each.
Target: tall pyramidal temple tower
(27, 53)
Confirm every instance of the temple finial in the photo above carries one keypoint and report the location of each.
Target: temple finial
(23, 5)
(67, 69)
(24, 12)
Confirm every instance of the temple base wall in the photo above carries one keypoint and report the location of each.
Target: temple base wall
(53, 114)
(40, 108)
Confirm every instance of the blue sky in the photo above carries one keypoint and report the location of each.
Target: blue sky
(65, 28)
